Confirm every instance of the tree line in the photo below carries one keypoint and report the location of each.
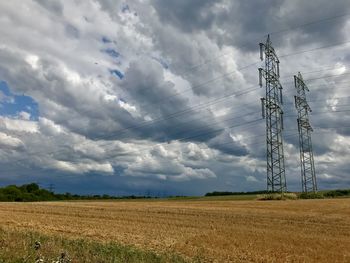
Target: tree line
(33, 192)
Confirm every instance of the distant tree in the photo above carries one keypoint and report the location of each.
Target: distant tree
(31, 188)
(32, 192)
(12, 193)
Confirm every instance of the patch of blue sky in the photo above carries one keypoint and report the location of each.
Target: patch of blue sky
(111, 52)
(125, 8)
(12, 104)
(106, 40)
(117, 73)
(162, 62)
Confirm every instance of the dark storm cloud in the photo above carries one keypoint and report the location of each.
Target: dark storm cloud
(276, 16)
(187, 15)
(170, 113)
(227, 144)
(246, 22)
(72, 31)
(51, 5)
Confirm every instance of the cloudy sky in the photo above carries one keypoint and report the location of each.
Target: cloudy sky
(161, 97)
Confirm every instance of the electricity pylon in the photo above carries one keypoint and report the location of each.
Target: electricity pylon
(308, 177)
(273, 113)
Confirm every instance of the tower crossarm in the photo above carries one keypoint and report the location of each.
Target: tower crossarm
(301, 103)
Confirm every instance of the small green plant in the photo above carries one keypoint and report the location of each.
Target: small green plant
(311, 196)
(39, 258)
(278, 196)
(337, 193)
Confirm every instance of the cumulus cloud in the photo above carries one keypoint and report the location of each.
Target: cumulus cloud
(21, 125)
(9, 141)
(83, 167)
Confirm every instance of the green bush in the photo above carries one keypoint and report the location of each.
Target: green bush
(12, 193)
(311, 195)
(223, 193)
(278, 196)
(30, 188)
(25, 193)
(326, 194)
(338, 192)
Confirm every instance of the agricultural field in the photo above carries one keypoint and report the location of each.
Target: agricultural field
(189, 230)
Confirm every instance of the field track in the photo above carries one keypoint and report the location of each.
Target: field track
(215, 231)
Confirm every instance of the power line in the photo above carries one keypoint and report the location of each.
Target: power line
(323, 77)
(342, 82)
(206, 82)
(251, 90)
(255, 112)
(322, 112)
(314, 49)
(260, 135)
(206, 133)
(214, 101)
(288, 116)
(218, 130)
(211, 102)
(187, 110)
(310, 23)
(194, 67)
(229, 73)
(190, 137)
(249, 65)
(216, 122)
(165, 143)
(225, 75)
(317, 71)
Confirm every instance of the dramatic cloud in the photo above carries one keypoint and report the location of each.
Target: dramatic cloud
(161, 96)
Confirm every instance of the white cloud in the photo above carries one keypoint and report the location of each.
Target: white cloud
(24, 115)
(250, 178)
(5, 98)
(32, 60)
(49, 127)
(83, 167)
(19, 125)
(10, 141)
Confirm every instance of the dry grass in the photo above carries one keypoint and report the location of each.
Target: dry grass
(215, 231)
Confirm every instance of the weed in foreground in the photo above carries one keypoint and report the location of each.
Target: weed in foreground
(31, 247)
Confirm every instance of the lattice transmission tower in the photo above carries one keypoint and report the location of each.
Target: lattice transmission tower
(273, 113)
(308, 177)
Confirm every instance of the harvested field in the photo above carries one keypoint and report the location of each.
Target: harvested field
(210, 231)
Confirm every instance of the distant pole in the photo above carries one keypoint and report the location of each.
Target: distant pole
(51, 187)
(308, 176)
(273, 113)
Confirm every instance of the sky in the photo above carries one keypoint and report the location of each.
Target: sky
(161, 97)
